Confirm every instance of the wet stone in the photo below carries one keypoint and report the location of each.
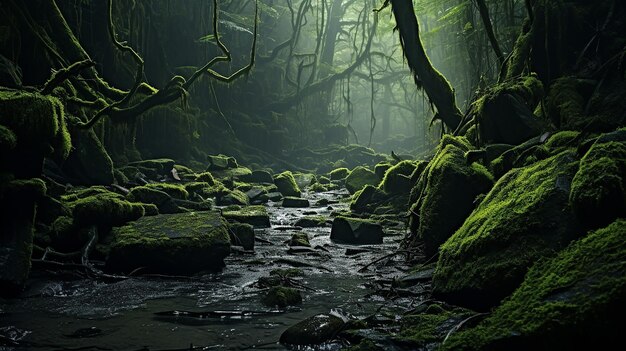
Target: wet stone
(254, 215)
(356, 231)
(313, 331)
(295, 202)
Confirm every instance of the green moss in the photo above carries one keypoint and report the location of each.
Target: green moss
(233, 197)
(299, 239)
(368, 199)
(566, 105)
(323, 180)
(8, 140)
(221, 162)
(86, 192)
(286, 184)
(381, 168)
(598, 193)
(120, 178)
(173, 243)
(524, 217)
(282, 297)
(206, 177)
(445, 195)
(573, 301)
(176, 191)
(318, 188)
(360, 177)
(339, 173)
(36, 119)
(428, 328)
(105, 209)
(162, 166)
(311, 221)
(254, 215)
(397, 179)
(561, 140)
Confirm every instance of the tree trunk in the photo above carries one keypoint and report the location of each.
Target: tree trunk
(434, 83)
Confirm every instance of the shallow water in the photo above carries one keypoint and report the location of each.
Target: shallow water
(122, 315)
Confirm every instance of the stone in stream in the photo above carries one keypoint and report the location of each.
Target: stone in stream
(282, 297)
(356, 231)
(287, 185)
(296, 202)
(273, 196)
(300, 239)
(242, 234)
(254, 215)
(255, 192)
(311, 221)
(313, 331)
(183, 243)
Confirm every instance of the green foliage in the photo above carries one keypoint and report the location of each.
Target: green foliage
(572, 301)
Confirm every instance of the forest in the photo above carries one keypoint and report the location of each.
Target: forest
(312, 174)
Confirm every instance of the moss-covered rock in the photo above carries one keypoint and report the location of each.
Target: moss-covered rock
(356, 231)
(381, 168)
(598, 193)
(174, 244)
(176, 191)
(298, 202)
(397, 179)
(221, 162)
(206, 177)
(107, 209)
(339, 173)
(8, 140)
(233, 197)
(427, 329)
(525, 217)
(360, 177)
(299, 239)
(242, 234)
(573, 301)
(232, 173)
(286, 184)
(254, 215)
(282, 297)
(148, 195)
(367, 199)
(311, 221)
(446, 195)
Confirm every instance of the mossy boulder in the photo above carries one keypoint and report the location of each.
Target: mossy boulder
(524, 218)
(356, 231)
(8, 140)
(148, 195)
(313, 330)
(360, 177)
(428, 328)
(339, 173)
(446, 194)
(574, 301)
(397, 179)
(176, 191)
(311, 221)
(254, 215)
(106, 209)
(367, 199)
(598, 193)
(381, 168)
(206, 177)
(287, 185)
(299, 239)
(280, 296)
(232, 173)
(183, 243)
(242, 234)
(221, 162)
(37, 129)
(233, 197)
(298, 202)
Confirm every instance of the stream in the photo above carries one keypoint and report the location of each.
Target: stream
(92, 315)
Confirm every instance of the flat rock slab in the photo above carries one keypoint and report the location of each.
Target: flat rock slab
(254, 215)
(295, 202)
(183, 243)
(356, 231)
